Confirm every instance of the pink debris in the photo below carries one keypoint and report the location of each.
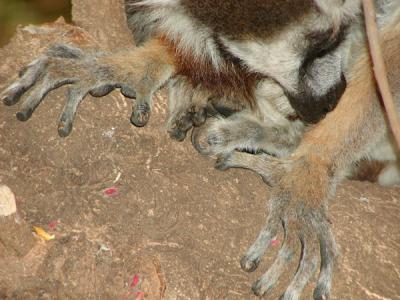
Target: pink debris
(275, 242)
(110, 192)
(53, 224)
(135, 281)
(139, 295)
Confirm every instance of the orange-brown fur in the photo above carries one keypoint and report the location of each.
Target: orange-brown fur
(233, 78)
(148, 60)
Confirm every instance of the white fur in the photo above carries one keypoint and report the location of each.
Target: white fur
(158, 2)
(276, 59)
(281, 58)
(272, 102)
(390, 175)
(192, 37)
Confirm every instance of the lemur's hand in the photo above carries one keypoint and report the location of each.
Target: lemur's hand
(297, 204)
(185, 121)
(89, 72)
(243, 131)
(58, 66)
(186, 106)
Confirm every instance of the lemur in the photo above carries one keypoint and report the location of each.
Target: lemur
(274, 129)
(283, 64)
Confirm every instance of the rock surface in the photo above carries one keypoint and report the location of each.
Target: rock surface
(16, 236)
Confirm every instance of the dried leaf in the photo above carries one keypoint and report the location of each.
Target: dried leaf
(43, 234)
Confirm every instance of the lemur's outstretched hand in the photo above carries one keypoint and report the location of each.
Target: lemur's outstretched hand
(92, 72)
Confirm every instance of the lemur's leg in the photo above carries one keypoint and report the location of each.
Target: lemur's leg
(138, 72)
(308, 177)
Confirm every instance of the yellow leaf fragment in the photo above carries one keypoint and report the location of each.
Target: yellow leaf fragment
(43, 234)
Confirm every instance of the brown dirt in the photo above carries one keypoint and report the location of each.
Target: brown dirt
(177, 223)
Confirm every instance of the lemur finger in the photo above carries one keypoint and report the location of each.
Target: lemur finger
(329, 253)
(177, 134)
(37, 95)
(199, 117)
(29, 77)
(102, 90)
(253, 256)
(128, 91)
(66, 120)
(263, 164)
(285, 255)
(203, 140)
(307, 267)
(182, 125)
(225, 161)
(199, 140)
(186, 122)
(141, 112)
